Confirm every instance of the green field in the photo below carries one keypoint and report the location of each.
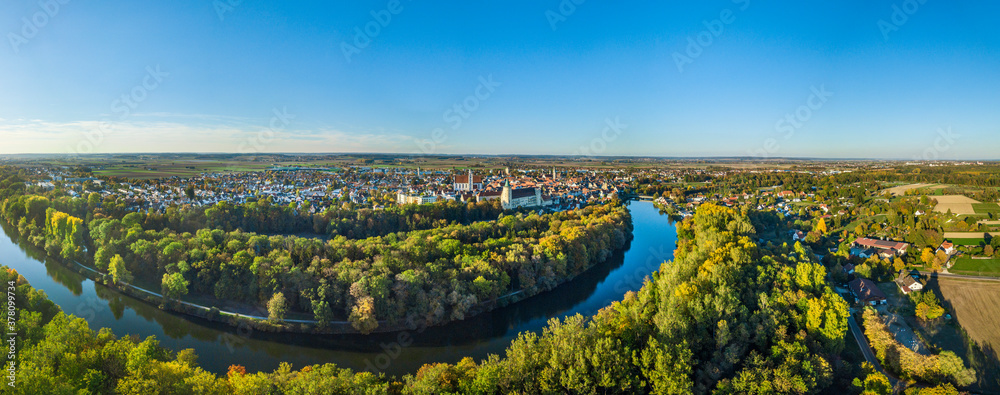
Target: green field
(980, 267)
(986, 208)
(968, 242)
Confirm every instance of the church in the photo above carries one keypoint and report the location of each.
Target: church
(468, 183)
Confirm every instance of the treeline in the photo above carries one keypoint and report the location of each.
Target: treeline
(423, 277)
(726, 316)
(263, 216)
(59, 354)
(945, 367)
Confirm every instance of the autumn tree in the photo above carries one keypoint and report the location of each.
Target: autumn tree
(276, 307)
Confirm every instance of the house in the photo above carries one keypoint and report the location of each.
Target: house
(863, 253)
(798, 235)
(948, 247)
(849, 268)
(865, 292)
(907, 284)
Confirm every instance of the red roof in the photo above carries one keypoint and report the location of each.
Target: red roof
(465, 179)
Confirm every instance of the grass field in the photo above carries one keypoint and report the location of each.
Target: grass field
(978, 267)
(968, 242)
(986, 208)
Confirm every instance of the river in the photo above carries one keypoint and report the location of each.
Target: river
(219, 346)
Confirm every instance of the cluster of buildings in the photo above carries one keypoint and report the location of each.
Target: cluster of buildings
(534, 190)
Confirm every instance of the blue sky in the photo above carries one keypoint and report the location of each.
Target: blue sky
(216, 75)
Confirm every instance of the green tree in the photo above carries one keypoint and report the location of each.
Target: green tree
(276, 307)
(119, 273)
(174, 285)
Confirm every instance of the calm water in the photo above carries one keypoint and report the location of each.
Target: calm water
(219, 346)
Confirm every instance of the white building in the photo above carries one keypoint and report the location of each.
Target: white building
(524, 197)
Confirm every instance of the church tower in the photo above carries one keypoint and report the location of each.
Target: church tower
(507, 195)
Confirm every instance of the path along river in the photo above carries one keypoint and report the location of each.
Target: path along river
(219, 346)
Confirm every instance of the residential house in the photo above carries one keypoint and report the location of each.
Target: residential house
(907, 284)
(866, 292)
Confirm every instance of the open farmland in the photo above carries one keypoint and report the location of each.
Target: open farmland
(986, 208)
(976, 306)
(901, 190)
(977, 267)
(956, 203)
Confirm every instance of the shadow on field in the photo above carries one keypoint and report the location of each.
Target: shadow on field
(983, 358)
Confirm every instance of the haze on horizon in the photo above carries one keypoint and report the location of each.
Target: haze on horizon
(887, 79)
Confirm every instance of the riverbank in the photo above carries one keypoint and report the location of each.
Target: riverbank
(221, 345)
(242, 320)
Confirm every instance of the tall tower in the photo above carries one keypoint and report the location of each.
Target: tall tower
(506, 195)
(553, 173)
(470, 180)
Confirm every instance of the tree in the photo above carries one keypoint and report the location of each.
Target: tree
(988, 250)
(821, 226)
(189, 192)
(119, 274)
(927, 256)
(363, 315)
(276, 307)
(174, 285)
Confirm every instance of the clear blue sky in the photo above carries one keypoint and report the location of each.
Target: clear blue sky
(895, 87)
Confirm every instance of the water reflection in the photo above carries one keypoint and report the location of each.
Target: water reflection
(219, 346)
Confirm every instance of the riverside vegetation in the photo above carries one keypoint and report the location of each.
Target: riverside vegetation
(417, 265)
(726, 316)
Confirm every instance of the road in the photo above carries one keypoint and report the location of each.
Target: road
(866, 349)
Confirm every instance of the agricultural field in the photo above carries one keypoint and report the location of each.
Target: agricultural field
(957, 204)
(986, 208)
(901, 190)
(976, 267)
(975, 304)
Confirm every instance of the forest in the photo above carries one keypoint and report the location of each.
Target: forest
(726, 316)
(392, 277)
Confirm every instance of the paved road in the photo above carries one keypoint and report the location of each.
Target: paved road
(866, 349)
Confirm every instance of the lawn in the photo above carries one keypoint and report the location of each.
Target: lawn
(979, 267)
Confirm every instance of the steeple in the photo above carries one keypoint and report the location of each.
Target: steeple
(470, 179)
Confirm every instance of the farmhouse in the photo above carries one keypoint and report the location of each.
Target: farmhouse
(948, 247)
(907, 284)
(885, 248)
(865, 291)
